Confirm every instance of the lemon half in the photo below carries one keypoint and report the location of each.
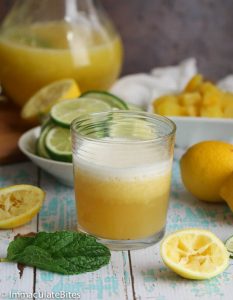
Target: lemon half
(194, 253)
(43, 100)
(19, 204)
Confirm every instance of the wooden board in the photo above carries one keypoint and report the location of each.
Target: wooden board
(11, 128)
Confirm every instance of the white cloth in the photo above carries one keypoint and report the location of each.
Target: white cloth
(226, 83)
(142, 88)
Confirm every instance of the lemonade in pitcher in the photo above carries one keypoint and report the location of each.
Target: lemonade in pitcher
(36, 48)
(32, 57)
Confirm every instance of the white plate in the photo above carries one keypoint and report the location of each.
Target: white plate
(62, 171)
(191, 130)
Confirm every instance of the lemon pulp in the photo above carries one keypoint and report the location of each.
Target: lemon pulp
(19, 204)
(194, 253)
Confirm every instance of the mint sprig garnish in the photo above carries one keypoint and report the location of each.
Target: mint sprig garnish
(63, 252)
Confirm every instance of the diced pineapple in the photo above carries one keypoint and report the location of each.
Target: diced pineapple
(194, 83)
(167, 98)
(192, 110)
(227, 99)
(206, 86)
(199, 98)
(211, 98)
(228, 111)
(168, 106)
(213, 111)
(187, 99)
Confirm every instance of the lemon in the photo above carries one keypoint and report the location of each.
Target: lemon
(194, 253)
(43, 100)
(19, 204)
(204, 168)
(226, 191)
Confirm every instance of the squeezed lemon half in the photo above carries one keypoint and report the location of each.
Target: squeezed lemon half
(194, 253)
(19, 204)
(42, 101)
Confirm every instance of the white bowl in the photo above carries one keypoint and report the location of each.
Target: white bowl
(62, 171)
(191, 130)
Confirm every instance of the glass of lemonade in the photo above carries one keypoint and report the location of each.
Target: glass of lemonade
(122, 172)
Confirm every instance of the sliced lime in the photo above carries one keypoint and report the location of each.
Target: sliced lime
(65, 112)
(47, 122)
(58, 144)
(134, 107)
(229, 245)
(40, 147)
(107, 97)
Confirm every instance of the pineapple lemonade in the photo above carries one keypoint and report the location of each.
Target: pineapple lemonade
(122, 180)
(33, 56)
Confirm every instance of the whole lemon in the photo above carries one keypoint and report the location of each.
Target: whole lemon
(204, 168)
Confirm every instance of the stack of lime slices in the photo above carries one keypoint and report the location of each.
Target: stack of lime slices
(54, 141)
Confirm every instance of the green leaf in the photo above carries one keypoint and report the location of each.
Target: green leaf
(62, 252)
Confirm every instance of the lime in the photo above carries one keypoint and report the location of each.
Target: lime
(65, 112)
(229, 245)
(40, 147)
(19, 204)
(58, 144)
(112, 100)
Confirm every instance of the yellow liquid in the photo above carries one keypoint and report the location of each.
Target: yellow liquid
(120, 207)
(35, 56)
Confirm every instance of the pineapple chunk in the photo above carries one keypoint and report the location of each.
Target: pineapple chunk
(168, 106)
(213, 111)
(192, 110)
(187, 99)
(194, 83)
(199, 98)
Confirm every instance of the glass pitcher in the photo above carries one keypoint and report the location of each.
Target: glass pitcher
(43, 41)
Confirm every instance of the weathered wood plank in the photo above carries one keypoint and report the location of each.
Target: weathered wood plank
(10, 280)
(152, 280)
(111, 282)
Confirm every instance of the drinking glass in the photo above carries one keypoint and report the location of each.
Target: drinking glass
(122, 171)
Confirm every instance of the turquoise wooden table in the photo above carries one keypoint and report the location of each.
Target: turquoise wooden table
(131, 274)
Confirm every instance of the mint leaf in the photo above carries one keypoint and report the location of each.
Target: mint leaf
(62, 252)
